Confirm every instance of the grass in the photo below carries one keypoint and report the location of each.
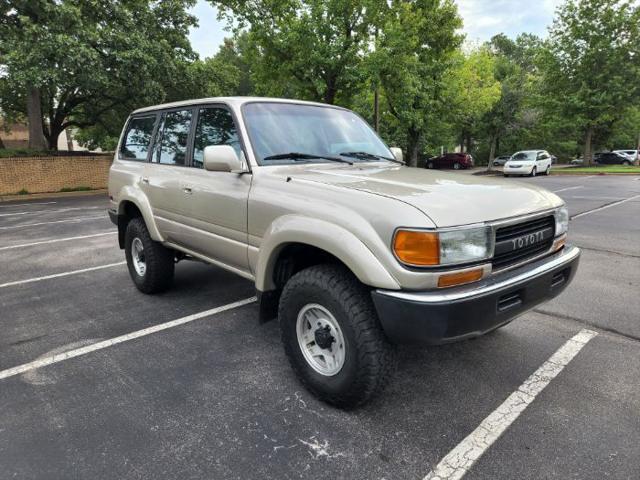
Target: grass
(24, 191)
(75, 189)
(599, 169)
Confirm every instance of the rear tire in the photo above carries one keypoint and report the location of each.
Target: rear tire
(332, 336)
(430, 165)
(457, 166)
(151, 265)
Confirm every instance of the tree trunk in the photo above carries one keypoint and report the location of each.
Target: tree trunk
(492, 151)
(69, 140)
(468, 140)
(34, 118)
(376, 109)
(1, 143)
(54, 133)
(413, 147)
(588, 156)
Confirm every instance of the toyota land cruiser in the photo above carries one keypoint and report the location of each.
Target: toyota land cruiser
(351, 250)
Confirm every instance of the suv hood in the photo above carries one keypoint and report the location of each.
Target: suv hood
(448, 199)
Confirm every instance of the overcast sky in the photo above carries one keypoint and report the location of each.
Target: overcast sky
(482, 20)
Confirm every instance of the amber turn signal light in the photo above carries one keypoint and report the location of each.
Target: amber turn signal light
(417, 248)
(460, 278)
(559, 243)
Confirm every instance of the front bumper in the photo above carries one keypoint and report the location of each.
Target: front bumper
(519, 170)
(458, 313)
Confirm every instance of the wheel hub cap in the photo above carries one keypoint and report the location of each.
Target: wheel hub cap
(320, 339)
(137, 255)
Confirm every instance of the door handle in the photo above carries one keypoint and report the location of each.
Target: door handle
(145, 179)
(187, 190)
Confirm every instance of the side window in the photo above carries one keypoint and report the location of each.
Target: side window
(215, 127)
(172, 149)
(135, 144)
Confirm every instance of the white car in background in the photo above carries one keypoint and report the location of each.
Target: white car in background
(630, 154)
(528, 162)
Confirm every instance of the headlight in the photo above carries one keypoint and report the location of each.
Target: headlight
(442, 248)
(562, 220)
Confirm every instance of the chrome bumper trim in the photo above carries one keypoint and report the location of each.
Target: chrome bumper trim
(491, 284)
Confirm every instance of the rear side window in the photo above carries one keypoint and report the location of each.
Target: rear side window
(215, 127)
(137, 140)
(173, 138)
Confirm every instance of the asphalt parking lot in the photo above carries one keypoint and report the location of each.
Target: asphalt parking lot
(213, 396)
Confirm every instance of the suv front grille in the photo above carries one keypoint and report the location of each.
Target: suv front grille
(516, 243)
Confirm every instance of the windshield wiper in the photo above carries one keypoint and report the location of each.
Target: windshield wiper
(305, 156)
(368, 155)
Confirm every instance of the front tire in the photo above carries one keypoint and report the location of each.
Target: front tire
(457, 166)
(430, 165)
(534, 171)
(548, 170)
(332, 336)
(151, 265)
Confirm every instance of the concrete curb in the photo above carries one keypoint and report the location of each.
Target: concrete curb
(32, 196)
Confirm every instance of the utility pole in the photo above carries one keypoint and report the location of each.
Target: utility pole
(376, 92)
(376, 109)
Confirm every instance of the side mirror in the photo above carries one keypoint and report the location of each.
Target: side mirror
(222, 158)
(397, 153)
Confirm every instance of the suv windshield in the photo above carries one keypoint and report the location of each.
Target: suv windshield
(524, 156)
(276, 129)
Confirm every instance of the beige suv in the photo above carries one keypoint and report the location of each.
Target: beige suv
(351, 250)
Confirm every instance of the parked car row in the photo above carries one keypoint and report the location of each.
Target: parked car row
(528, 162)
(616, 157)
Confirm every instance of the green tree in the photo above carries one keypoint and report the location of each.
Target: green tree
(591, 70)
(414, 51)
(472, 90)
(310, 49)
(77, 60)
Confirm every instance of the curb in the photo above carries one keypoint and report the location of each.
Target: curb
(32, 196)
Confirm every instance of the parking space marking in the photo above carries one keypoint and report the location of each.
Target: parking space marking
(568, 188)
(59, 357)
(62, 274)
(31, 212)
(26, 204)
(55, 240)
(71, 220)
(609, 205)
(457, 463)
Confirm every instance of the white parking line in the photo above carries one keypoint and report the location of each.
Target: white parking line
(599, 209)
(568, 188)
(71, 220)
(26, 204)
(55, 240)
(121, 339)
(14, 214)
(457, 463)
(58, 275)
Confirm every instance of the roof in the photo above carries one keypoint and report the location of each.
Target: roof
(235, 101)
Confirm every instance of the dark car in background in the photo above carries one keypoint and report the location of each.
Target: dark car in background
(612, 158)
(453, 160)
